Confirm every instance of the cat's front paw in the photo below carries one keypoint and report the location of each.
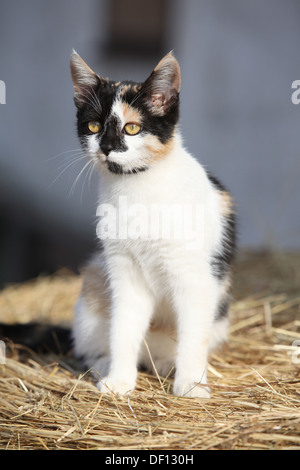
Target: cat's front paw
(108, 385)
(190, 389)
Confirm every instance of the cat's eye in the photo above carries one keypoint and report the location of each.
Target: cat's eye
(132, 128)
(94, 126)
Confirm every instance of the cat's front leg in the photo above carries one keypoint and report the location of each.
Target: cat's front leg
(132, 307)
(195, 303)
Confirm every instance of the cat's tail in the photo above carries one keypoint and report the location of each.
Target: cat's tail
(38, 337)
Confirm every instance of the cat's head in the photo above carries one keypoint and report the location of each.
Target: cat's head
(127, 126)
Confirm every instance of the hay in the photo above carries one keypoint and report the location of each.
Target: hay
(254, 380)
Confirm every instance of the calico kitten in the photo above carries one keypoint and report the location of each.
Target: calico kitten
(150, 299)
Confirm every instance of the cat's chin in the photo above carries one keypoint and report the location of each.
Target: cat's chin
(118, 169)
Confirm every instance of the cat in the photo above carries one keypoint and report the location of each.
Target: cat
(157, 302)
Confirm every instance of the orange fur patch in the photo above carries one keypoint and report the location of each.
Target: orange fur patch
(131, 114)
(94, 289)
(135, 88)
(124, 89)
(156, 148)
(227, 207)
(169, 329)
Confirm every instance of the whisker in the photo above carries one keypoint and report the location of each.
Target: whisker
(92, 168)
(90, 99)
(136, 96)
(64, 153)
(73, 159)
(88, 173)
(94, 101)
(77, 178)
(97, 100)
(66, 165)
(82, 157)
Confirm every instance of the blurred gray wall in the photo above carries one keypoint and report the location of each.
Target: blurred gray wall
(238, 61)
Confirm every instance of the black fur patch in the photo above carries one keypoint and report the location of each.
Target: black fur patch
(38, 337)
(97, 107)
(160, 126)
(215, 181)
(119, 170)
(222, 309)
(222, 260)
(112, 138)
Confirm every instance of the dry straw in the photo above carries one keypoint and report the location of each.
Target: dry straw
(254, 379)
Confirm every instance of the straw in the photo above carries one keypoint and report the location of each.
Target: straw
(254, 379)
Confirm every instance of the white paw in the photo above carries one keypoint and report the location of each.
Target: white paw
(190, 389)
(119, 387)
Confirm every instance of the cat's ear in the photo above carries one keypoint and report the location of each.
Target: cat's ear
(163, 86)
(84, 79)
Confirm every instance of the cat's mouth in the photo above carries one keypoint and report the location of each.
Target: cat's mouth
(115, 167)
(118, 169)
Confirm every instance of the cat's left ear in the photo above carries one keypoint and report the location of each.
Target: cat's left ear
(163, 86)
(84, 79)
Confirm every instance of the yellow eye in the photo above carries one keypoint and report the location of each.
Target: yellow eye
(132, 129)
(94, 126)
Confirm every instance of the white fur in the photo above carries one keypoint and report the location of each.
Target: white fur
(162, 295)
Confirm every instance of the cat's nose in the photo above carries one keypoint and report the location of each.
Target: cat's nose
(106, 148)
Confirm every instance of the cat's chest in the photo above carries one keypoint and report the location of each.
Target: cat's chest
(151, 258)
(164, 221)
